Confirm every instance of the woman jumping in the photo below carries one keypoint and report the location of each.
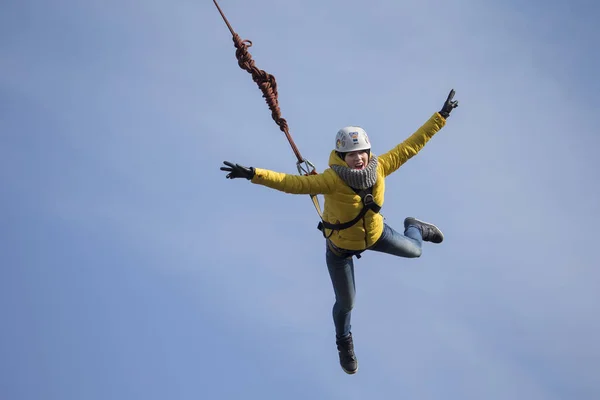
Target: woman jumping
(353, 188)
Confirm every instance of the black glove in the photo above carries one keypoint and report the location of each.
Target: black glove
(449, 105)
(238, 171)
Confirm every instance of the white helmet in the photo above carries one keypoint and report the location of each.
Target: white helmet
(351, 138)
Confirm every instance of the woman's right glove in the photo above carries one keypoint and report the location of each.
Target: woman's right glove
(449, 105)
(238, 171)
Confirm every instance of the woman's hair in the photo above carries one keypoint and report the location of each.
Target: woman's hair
(343, 155)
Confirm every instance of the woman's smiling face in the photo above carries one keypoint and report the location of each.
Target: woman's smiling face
(357, 159)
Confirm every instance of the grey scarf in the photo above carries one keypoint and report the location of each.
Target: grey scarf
(358, 179)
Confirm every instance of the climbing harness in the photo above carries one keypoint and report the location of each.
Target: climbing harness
(366, 196)
(368, 204)
(268, 85)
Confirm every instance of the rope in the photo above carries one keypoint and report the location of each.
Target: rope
(265, 81)
(268, 86)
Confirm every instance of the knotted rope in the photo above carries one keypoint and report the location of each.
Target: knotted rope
(265, 81)
(268, 86)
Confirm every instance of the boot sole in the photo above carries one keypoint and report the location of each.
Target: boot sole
(350, 372)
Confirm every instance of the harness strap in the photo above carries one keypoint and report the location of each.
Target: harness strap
(343, 253)
(368, 204)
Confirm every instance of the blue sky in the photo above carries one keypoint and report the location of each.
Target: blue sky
(130, 268)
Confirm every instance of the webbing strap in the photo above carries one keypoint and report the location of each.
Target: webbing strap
(368, 204)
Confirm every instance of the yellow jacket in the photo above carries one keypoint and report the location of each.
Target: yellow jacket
(342, 204)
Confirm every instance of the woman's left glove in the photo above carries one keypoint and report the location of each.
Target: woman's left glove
(449, 105)
(238, 171)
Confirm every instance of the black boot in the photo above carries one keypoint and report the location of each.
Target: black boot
(348, 360)
(430, 232)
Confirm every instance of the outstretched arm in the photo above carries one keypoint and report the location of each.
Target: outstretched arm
(296, 184)
(393, 159)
